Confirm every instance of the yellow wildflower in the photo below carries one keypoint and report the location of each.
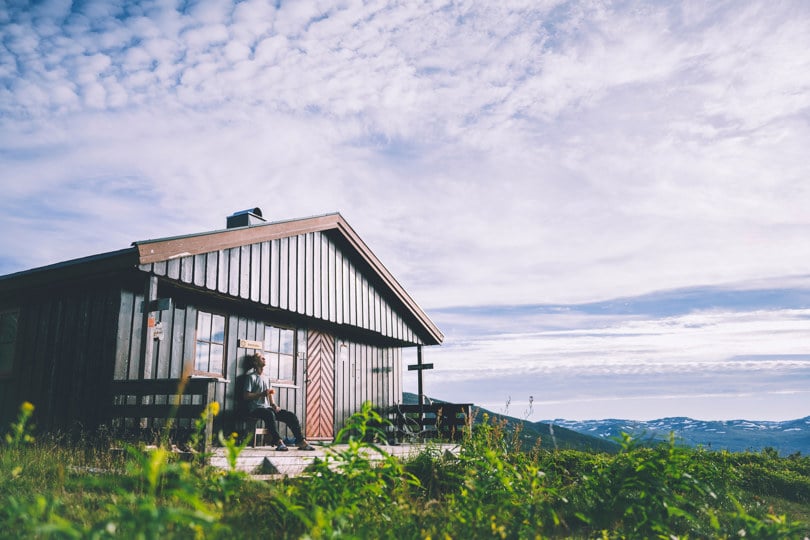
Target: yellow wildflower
(214, 408)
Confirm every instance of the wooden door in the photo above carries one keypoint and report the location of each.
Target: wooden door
(320, 386)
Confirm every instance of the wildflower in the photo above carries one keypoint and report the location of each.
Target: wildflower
(214, 408)
(27, 407)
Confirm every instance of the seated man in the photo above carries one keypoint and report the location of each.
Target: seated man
(260, 404)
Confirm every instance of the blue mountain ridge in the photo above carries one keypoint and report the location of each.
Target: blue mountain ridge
(787, 437)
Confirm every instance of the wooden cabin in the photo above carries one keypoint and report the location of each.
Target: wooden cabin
(332, 321)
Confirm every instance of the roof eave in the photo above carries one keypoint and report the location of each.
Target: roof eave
(75, 268)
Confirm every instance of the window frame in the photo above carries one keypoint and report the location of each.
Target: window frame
(272, 356)
(9, 372)
(198, 340)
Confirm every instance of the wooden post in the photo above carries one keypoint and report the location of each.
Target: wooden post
(419, 375)
(419, 367)
(147, 335)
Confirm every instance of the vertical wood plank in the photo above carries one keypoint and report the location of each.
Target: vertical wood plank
(137, 338)
(199, 270)
(147, 344)
(234, 271)
(255, 271)
(176, 336)
(352, 303)
(211, 270)
(347, 292)
(163, 348)
(275, 274)
(173, 269)
(284, 273)
(292, 277)
(311, 273)
(264, 283)
(244, 272)
(187, 269)
(317, 276)
(124, 335)
(339, 309)
(325, 276)
(331, 265)
(223, 274)
(301, 275)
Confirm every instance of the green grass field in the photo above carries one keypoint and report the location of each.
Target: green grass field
(494, 488)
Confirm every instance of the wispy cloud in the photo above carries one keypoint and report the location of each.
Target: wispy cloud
(720, 358)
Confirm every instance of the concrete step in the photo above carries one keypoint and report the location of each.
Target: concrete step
(265, 462)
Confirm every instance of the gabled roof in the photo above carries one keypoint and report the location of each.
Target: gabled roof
(165, 249)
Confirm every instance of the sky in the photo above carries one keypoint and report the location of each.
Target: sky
(602, 204)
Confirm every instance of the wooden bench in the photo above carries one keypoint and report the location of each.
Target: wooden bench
(445, 421)
(148, 407)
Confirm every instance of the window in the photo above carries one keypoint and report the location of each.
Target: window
(279, 352)
(210, 351)
(8, 338)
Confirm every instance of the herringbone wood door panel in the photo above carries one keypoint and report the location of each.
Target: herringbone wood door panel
(320, 386)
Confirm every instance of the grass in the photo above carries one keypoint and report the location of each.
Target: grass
(494, 488)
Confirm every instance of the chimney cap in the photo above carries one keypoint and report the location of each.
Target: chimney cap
(245, 218)
(255, 211)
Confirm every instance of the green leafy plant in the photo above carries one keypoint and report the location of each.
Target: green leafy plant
(489, 487)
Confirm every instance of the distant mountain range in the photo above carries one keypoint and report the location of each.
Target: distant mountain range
(786, 437)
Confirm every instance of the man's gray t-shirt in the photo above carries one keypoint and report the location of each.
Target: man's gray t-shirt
(256, 383)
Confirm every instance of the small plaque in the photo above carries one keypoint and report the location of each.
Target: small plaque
(250, 344)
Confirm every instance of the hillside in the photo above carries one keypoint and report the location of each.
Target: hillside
(550, 437)
(786, 437)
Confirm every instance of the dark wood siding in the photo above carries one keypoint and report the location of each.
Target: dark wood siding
(63, 356)
(305, 274)
(365, 373)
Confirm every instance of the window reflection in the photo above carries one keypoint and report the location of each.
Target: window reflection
(210, 344)
(279, 351)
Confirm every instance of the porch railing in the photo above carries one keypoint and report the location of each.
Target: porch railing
(148, 407)
(446, 421)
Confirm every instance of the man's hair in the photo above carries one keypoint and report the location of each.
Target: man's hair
(252, 361)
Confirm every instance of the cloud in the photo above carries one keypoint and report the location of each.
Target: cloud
(719, 358)
(556, 154)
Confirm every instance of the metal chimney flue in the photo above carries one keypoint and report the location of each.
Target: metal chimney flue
(245, 218)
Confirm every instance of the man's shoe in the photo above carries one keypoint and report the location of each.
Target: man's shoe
(304, 445)
(281, 447)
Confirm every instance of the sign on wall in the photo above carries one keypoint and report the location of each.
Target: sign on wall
(250, 344)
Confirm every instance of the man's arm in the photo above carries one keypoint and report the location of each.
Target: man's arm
(270, 393)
